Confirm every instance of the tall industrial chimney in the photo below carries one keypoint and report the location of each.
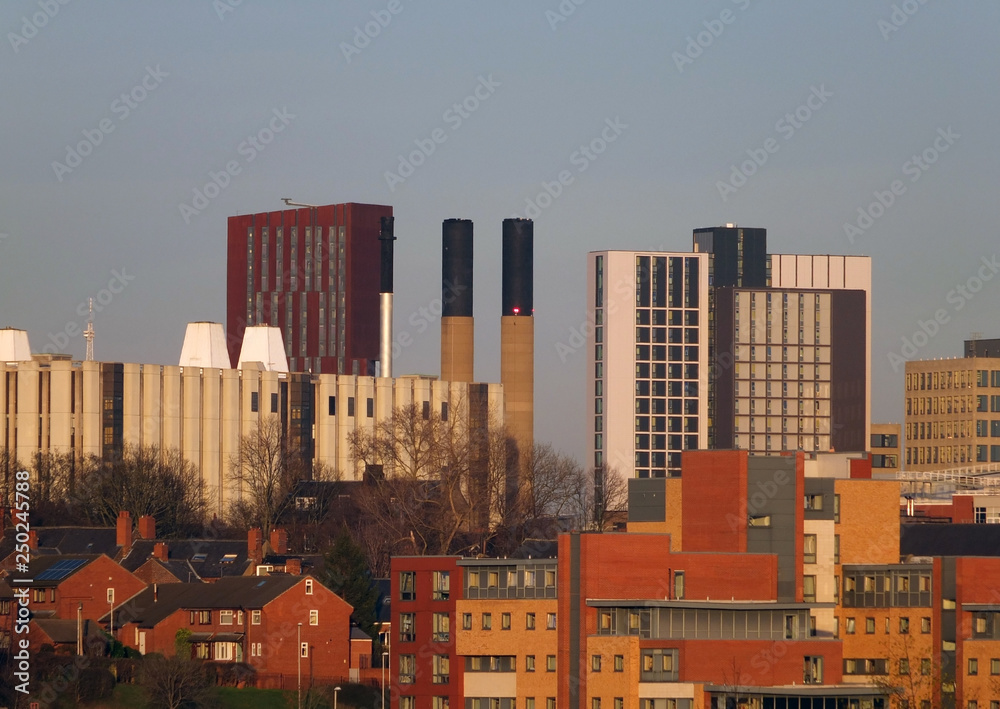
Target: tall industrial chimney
(517, 332)
(457, 339)
(385, 298)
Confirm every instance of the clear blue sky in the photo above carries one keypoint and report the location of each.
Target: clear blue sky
(213, 77)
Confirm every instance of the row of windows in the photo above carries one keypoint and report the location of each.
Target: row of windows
(923, 381)
(659, 442)
(663, 424)
(440, 585)
(486, 621)
(229, 617)
(644, 370)
(925, 405)
(922, 455)
(672, 407)
(815, 341)
(663, 353)
(369, 407)
(664, 335)
(850, 625)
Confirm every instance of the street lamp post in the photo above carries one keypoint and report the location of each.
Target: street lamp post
(385, 656)
(335, 690)
(298, 650)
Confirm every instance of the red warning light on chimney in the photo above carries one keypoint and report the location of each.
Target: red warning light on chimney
(516, 311)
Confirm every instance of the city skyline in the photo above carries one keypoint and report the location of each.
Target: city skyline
(839, 130)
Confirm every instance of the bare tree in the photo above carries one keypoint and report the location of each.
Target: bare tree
(264, 474)
(419, 467)
(600, 498)
(175, 683)
(143, 480)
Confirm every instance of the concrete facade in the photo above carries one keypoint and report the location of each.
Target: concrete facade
(94, 408)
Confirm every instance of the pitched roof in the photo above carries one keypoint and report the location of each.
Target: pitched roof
(157, 602)
(949, 539)
(68, 540)
(208, 558)
(51, 570)
(64, 631)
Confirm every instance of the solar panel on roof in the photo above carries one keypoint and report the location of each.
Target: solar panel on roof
(60, 570)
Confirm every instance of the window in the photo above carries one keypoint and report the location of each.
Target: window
(550, 663)
(407, 702)
(441, 627)
(304, 650)
(595, 663)
(836, 508)
(350, 406)
(809, 589)
(529, 663)
(529, 621)
(407, 634)
(904, 666)
(814, 502)
(925, 625)
(204, 617)
(550, 703)
(254, 401)
(467, 621)
(849, 627)
(679, 585)
(550, 621)
(440, 666)
(407, 669)
(255, 649)
(442, 585)
(925, 666)
(370, 407)
(904, 626)
(619, 702)
(407, 583)
(595, 703)
(224, 651)
(440, 702)
(995, 666)
(869, 625)
(309, 587)
(809, 549)
(836, 548)
(812, 670)
(225, 617)
(760, 521)
(254, 617)
(973, 665)
(487, 621)
(619, 663)
(332, 406)
(505, 621)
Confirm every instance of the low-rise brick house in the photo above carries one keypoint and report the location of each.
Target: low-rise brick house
(61, 585)
(270, 622)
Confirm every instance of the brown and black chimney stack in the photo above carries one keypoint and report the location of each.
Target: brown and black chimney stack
(517, 332)
(457, 330)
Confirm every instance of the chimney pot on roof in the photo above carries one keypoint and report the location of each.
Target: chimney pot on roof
(123, 537)
(147, 527)
(279, 541)
(161, 551)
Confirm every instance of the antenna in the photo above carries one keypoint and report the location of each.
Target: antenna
(288, 201)
(88, 334)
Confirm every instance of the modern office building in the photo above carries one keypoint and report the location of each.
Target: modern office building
(798, 380)
(953, 411)
(726, 347)
(648, 359)
(312, 272)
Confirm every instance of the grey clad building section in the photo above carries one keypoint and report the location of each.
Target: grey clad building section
(772, 517)
(647, 500)
(819, 498)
